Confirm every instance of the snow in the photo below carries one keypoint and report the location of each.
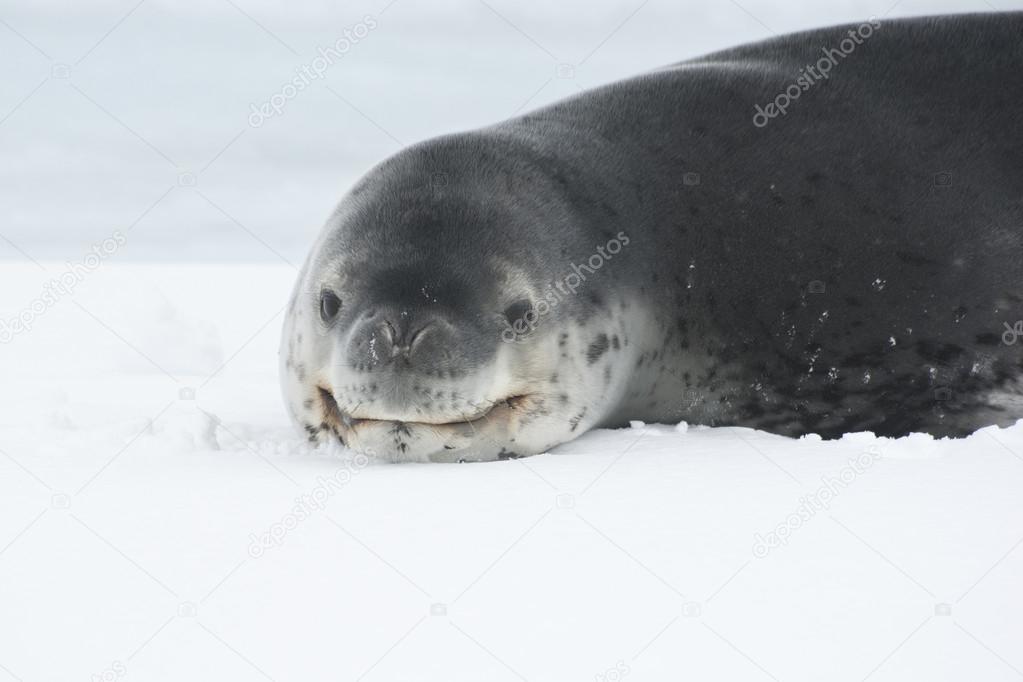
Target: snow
(161, 520)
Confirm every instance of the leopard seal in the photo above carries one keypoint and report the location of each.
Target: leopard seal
(820, 233)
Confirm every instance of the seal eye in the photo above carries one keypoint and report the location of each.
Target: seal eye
(330, 304)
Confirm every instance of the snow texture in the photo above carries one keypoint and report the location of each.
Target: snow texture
(161, 520)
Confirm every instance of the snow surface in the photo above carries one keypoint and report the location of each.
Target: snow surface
(151, 535)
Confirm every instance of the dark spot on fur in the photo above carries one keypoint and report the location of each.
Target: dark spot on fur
(597, 349)
(574, 421)
(987, 339)
(941, 355)
(913, 259)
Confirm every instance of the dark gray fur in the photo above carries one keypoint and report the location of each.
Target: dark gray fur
(818, 274)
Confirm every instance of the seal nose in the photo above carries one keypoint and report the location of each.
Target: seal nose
(421, 341)
(402, 339)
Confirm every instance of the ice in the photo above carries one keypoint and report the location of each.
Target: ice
(174, 524)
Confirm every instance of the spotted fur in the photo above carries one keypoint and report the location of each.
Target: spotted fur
(852, 265)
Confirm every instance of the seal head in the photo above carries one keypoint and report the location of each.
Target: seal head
(413, 331)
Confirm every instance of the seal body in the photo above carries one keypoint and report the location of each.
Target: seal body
(821, 233)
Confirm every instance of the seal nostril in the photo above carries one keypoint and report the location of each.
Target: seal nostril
(389, 332)
(519, 310)
(417, 336)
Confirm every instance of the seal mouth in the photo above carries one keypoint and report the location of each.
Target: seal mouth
(338, 418)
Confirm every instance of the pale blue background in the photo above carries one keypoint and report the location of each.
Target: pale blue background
(162, 87)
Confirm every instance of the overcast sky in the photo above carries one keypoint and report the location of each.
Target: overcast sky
(137, 116)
